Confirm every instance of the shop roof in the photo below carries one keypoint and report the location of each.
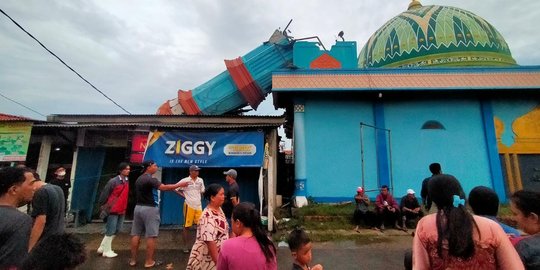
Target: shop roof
(14, 118)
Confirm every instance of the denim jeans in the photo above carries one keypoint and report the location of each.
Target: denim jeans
(114, 224)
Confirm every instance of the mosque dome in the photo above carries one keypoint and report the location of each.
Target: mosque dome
(435, 36)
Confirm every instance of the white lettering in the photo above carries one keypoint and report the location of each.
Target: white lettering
(187, 147)
(170, 149)
(190, 147)
(198, 148)
(210, 147)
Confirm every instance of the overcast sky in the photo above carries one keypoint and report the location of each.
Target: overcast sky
(140, 53)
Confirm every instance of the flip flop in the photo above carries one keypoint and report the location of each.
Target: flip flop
(132, 263)
(156, 263)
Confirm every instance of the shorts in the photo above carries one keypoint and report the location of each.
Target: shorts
(146, 220)
(191, 216)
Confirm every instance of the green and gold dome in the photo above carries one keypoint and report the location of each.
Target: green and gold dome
(435, 36)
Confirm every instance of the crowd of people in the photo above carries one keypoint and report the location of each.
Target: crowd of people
(230, 234)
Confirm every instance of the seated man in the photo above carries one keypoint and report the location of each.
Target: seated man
(387, 208)
(485, 202)
(361, 213)
(410, 208)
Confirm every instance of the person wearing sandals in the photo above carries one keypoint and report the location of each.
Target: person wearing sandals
(452, 238)
(146, 217)
(192, 208)
(212, 231)
(115, 195)
(251, 249)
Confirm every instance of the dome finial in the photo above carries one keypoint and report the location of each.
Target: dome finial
(414, 5)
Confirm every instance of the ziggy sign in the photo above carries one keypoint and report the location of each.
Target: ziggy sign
(207, 149)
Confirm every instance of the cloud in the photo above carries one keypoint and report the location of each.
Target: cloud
(140, 53)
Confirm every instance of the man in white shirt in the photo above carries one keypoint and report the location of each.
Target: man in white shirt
(192, 203)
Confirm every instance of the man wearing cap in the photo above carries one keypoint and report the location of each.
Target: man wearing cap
(232, 196)
(191, 192)
(410, 208)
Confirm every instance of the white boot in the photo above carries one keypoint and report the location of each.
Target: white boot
(100, 248)
(107, 249)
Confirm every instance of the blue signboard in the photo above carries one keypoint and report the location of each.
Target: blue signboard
(219, 149)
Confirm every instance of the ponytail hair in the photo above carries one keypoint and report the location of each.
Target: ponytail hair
(454, 223)
(246, 213)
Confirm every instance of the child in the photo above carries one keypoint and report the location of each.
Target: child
(300, 246)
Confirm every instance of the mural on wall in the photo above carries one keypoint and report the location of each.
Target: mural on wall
(521, 157)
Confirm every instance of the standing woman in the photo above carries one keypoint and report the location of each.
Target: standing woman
(251, 249)
(452, 238)
(115, 195)
(525, 206)
(212, 231)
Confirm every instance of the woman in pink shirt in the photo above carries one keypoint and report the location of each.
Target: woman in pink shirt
(251, 249)
(452, 238)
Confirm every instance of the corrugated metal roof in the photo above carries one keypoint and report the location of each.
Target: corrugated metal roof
(393, 79)
(202, 125)
(165, 121)
(14, 118)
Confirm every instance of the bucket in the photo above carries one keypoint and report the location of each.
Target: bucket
(264, 220)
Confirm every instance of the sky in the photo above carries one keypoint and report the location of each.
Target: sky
(139, 53)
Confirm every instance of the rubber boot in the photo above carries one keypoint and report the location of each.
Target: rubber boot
(100, 248)
(107, 249)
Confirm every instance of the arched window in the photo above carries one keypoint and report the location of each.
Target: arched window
(432, 124)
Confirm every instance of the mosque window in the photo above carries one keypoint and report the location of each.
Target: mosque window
(432, 124)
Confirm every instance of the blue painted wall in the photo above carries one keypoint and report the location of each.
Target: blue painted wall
(460, 148)
(333, 164)
(333, 145)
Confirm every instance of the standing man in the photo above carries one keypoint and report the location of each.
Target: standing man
(387, 208)
(232, 196)
(191, 190)
(114, 195)
(59, 179)
(16, 189)
(435, 169)
(47, 211)
(146, 217)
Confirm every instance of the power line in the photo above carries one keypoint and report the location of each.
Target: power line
(22, 105)
(64, 62)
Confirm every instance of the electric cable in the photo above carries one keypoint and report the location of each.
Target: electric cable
(22, 105)
(59, 59)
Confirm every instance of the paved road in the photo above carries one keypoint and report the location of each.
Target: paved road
(384, 252)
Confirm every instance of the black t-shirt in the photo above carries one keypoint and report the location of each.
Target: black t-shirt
(146, 188)
(15, 228)
(232, 191)
(49, 201)
(64, 184)
(409, 203)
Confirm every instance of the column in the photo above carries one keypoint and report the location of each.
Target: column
(300, 198)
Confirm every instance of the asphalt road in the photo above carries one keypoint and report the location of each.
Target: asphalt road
(385, 252)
